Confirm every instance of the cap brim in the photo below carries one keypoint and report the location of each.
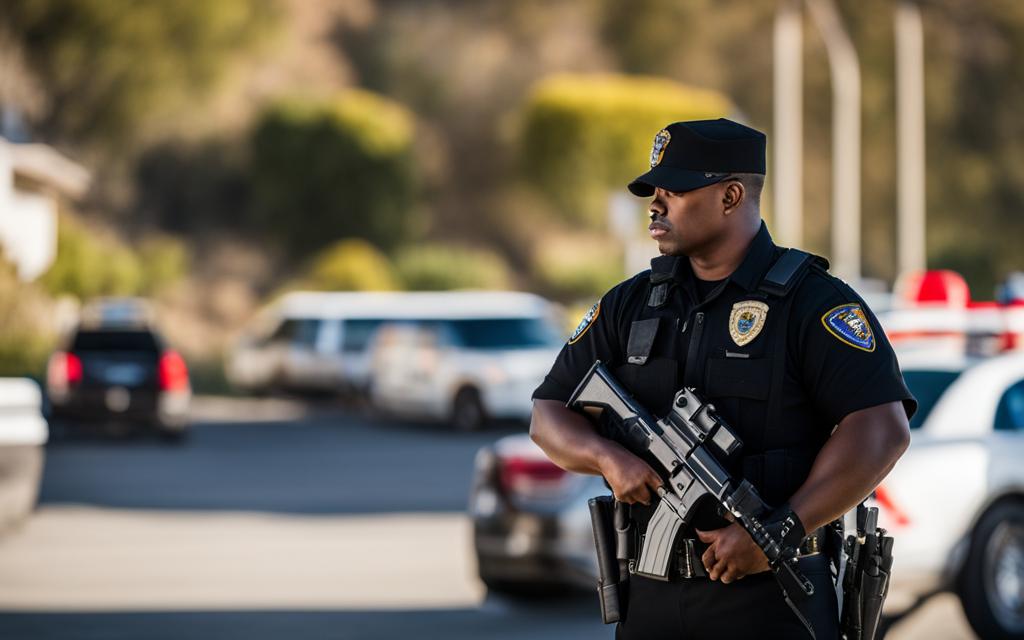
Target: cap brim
(672, 179)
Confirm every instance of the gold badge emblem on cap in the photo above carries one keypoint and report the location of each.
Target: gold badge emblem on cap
(746, 321)
(658, 149)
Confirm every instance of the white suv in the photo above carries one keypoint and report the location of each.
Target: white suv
(474, 365)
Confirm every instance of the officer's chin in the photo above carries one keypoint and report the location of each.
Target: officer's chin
(668, 248)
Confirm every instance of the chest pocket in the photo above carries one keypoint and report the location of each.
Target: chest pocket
(651, 370)
(740, 389)
(734, 377)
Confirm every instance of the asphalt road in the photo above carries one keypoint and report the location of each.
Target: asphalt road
(275, 522)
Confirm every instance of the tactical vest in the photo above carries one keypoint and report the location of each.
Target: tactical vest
(745, 388)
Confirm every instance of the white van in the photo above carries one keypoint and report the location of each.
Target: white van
(465, 357)
(318, 341)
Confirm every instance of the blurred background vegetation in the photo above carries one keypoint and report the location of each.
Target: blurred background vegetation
(242, 146)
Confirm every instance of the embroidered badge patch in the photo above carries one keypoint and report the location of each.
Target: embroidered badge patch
(746, 321)
(849, 324)
(658, 150)
(588, 319)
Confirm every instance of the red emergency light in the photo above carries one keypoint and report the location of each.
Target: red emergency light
(934, 288)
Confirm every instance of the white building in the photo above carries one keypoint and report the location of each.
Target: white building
(33, 177)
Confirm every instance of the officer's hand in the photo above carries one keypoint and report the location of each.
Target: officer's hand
(630, 477)
(731, 554)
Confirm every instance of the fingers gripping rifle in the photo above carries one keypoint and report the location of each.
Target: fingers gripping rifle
(686, 444)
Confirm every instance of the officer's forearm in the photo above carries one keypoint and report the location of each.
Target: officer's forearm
(568, 438)
(859, 454)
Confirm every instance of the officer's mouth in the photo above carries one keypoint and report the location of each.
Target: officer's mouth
(657, 230)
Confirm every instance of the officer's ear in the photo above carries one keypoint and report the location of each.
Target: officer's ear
(732, 196)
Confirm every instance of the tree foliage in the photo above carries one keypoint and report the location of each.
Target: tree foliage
(586, 135)
(344, 167)
(111, 68)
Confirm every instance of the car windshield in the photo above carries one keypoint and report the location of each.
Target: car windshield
(143, 341)
(505, 333)
(927, 386)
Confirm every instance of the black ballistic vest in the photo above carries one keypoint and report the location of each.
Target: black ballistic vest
(668, 349)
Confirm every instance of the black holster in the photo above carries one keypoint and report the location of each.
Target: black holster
(866, 578)
(612, 534)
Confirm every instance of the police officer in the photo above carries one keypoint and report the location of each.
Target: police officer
(791, 357)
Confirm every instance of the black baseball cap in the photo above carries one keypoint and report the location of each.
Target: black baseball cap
(694, 154)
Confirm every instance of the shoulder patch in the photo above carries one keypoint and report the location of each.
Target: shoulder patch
(849, 324)
(588, 319)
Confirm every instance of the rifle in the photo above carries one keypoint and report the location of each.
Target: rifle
(686, 444)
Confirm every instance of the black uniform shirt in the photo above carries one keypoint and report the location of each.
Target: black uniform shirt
(808, 365)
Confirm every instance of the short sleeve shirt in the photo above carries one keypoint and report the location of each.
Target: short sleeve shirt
(832, 360)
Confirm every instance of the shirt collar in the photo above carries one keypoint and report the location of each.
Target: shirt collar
(760, 255)
(748, 275)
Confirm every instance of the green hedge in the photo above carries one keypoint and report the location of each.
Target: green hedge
(351, 265)
(329, 169)
(92, 263)
(441, 267)
(584, 135)
(26, 338)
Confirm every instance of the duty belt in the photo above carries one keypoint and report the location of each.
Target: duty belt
(687, 562)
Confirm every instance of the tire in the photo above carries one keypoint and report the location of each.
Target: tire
(991, 587)
(468, 410)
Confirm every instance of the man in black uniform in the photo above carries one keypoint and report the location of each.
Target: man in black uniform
(791, 356)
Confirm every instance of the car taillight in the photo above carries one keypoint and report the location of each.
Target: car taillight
(885, 501)
(172, 373)
(64, 370)
(523, 476)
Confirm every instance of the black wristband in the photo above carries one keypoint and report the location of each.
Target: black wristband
(787, 529)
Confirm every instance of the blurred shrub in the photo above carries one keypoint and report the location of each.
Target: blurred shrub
(26, 335)
(575, 267)
(440, 267)
(164, 260)
(92, 263)
(324, 170)
(89, 265)
(584, 135)
(351, 265)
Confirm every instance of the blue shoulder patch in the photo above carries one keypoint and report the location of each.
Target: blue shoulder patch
(849, 324)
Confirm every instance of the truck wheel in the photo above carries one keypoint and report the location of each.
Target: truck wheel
(992, 583)
(468, 411)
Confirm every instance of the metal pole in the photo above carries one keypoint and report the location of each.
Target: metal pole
(845, 68)
(787, 172)
(910, 137)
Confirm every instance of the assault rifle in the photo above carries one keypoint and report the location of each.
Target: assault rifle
(686, 444)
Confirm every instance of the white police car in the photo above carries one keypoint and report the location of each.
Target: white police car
(955, 501)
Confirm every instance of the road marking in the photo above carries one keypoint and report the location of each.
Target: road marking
(89, 559)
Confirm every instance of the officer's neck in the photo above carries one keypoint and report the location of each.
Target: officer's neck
(720, 258)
